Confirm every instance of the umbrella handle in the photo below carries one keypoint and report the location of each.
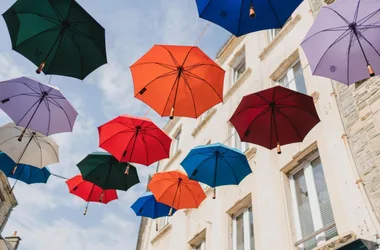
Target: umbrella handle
(85, 210)
(278, 148)
(156, 226)
(14, 169)
(127, 170)
(170, 211)
(214, 195)
(40, 68)
(370, 71)
(22, 135)
(171, 113)
(252, 12)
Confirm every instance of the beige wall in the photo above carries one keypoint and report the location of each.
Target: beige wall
(267, 188)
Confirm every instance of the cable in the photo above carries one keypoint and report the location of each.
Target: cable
(59, 176)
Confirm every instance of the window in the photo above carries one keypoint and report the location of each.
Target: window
(293, 79)
(235, 140)
(175, 142)
(204, 115)
(272, 33)
(311, 205)
(163, 222)
(238, 68)
(201, 245)
(242, 231)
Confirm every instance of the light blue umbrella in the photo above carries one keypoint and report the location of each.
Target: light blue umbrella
(24, 173)
(216, 165)
(147, 206)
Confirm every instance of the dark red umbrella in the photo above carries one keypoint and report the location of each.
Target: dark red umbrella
(89, 191)
(134, 139)
(274, 117)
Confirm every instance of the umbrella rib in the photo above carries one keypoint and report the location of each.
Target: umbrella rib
(159, 141)
(41, 139)
(28, 86)
(46, 102)
(28, 111)
(298, 107)
(203, 161)
(366, 18)
(176, 81)
(275, 14)
(187, 55)
(291, 123)
(208, 3)
(171, 55)
(257, 117)
(55, 10)
(263, 98)
(341, 28)
(79, 51)
(118, 133)
(348, 57)
(146, 146)
(343, 18)
(356, 12)
(194, 66)
(39, 33)
(59, 40)
(174, 72)
(54, 102)
(341, 37)
(239, 21)
(365, 39)
(89, 38)
(191, 92)
(254, 107)
(229, 165)
(31, 13)
(168, 66)
(192, 195)
(190, 74)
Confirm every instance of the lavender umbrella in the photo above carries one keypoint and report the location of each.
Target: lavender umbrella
(344, 42)
(36, 106)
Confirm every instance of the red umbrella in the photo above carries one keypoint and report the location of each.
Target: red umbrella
(274, 117)
(89, 191)
(134, 139)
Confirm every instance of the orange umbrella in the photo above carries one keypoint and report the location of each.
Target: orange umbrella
(176, 190)
(178, 80)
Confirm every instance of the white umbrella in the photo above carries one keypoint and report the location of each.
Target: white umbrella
(36, 149)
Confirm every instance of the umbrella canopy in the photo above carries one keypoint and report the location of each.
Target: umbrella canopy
(89, 191)
(134, 139)
(244, 16)
(25, 173)
(37, 106)
(36, 149)
(343, 43)
(107, 172)
(178, 80)
(176, 190)
(59, 37)
(147, 206)
(275, 116)
(216, 165)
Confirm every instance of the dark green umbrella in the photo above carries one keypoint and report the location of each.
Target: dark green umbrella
(107, 172)
(58, 36)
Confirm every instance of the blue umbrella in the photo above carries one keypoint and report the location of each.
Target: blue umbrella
(241, 17)
(216, 165)
(24, 173)
(147, 206)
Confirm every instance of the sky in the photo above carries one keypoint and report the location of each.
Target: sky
(47, 216)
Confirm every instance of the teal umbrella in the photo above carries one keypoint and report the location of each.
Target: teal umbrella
(58, 36)
(107, 172)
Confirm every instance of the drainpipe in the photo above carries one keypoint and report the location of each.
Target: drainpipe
(359, 180)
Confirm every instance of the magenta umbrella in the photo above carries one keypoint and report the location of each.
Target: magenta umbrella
(344, 42)
(40, 107)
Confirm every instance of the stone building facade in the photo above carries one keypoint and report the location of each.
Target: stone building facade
(7, 203)
(320, 194)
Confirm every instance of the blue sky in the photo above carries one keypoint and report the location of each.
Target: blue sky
(48, 217)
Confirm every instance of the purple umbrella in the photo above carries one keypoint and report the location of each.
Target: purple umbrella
(36, 106)
(344, 42)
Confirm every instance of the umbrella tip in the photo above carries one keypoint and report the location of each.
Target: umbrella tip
(252, 12)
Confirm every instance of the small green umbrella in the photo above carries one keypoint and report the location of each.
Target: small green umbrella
(107, 172)
(58, 36)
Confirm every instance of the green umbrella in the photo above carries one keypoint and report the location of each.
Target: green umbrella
(58, 36)
(107, 172)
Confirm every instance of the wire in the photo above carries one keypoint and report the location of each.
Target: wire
(202, 33)
(59, 176)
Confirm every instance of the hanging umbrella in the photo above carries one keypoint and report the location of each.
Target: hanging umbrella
(343, 44)
(216, 165)
(37, 106)
(134, 139)
(176, 190)
(245, 16)
(25, 173)
(36, 149)
(178, 80)
(59, 37)
(107, 172)
(89, 191)
(275, 116)
(147, 206)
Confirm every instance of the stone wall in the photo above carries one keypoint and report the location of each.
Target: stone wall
(359, 105)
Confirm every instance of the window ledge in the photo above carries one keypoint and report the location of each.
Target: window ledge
(284, 31)
(175, 156)
(250, 153)
(203, 122)
(161, 233)
(237, 84)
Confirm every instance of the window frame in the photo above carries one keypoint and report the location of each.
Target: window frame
(313, 199)
(201, 243)
(272, 33)
(234, 136)
(289, 73)
(203, 116)
(238, 62)
(246, 232)
(163, 222)
(176, 139)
